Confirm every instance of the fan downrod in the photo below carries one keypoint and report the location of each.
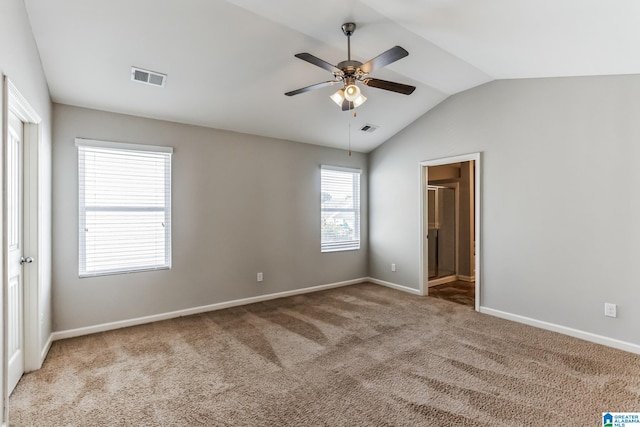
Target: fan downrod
(348, 29)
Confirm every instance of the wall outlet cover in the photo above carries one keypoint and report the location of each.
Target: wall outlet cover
(610, 310)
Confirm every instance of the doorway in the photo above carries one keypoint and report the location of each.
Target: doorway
(20, 239)
(450, 202)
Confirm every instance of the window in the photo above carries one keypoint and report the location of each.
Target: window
(124, 193)
(340, 209)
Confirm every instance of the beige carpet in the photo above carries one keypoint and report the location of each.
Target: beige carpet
(362, 355)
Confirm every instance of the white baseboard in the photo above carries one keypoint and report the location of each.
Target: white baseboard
(466, 278)
(395, 286)
(442, 280)
(45, 350)
(587, 336)
(70, 333)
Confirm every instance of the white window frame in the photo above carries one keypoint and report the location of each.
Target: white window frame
(345, 245)
(82, 208)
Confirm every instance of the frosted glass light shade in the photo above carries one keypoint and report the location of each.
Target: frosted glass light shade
(359, 100)
(351, 92)
(338, 97)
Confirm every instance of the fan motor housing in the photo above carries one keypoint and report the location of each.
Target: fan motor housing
(349, 67)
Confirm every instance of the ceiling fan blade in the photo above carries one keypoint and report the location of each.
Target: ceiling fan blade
(392, 86)
(318, 62)
(312, 87)
(384, 59)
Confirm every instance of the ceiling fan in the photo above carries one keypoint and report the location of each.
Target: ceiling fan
(349, 72)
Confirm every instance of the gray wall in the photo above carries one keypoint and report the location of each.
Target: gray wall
(241, 204)
(559, 200)
(20, 61)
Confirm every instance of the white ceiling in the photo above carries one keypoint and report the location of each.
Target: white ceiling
(230, 62)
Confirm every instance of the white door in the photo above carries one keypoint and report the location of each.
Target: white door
(13, 239)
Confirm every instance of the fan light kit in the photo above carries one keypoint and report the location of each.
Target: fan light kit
(351, 93)
(350, 72)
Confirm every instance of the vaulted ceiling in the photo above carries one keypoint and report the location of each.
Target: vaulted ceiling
(230, 62)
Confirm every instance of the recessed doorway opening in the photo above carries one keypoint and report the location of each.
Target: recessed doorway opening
(450, 218)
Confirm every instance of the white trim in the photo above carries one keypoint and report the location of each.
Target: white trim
(424, 231)
(70, 333)
(81, 142)
(19, 104)
(31, 245)
(45, 350)
(442, 280)
(576, 333)
(341, 169)
(395, 286)
(478, 225)
(466, 278)
(4, 399)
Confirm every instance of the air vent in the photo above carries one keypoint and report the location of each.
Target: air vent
(369, 128)
(148, 77)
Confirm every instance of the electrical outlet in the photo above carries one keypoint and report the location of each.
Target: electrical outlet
(610, 310)
(260, 277)
(393, 267)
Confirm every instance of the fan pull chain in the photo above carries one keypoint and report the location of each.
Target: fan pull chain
(355, 114)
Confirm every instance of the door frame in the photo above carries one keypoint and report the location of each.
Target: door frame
(424, 180)
(16, 103)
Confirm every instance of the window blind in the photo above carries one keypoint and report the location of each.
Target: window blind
(124, 195)
(340, 209)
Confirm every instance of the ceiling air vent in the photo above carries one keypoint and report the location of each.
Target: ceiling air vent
(369, 128)
(148, 77)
